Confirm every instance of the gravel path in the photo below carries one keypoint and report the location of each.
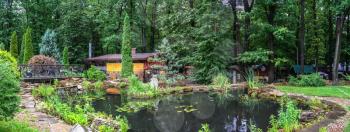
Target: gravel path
(38, 119)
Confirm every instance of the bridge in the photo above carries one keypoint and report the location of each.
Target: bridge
(33, 73)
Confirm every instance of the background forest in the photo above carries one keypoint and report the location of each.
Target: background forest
(210, 35)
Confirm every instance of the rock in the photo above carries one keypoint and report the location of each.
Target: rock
(188, 89)
(80, 87)
(112, 91)
(101, 121)
(30, 104)
(307, 116)
(79, 128)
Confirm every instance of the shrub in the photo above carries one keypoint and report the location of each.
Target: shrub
(7, 57)
(15, 126)
(9, 88)
(14, 45)
(42, 60)
(312, 80)
(288, 117)
(204, 128)
(2, 46)
(104, 128)
(28, 46)
(253, 128)
(123, 124)
(70, 115)
(43, 91)
(48, 45)
(65, 56)
(127, 65)
(221, 81)
(137, 88)
(94, 74)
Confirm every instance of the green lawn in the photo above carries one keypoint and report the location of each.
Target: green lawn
(326, 91)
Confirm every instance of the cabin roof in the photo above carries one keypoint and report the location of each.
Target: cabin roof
(117, 57)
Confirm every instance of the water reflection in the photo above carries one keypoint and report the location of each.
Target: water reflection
(186, 113)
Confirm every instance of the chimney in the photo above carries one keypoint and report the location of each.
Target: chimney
(133, 51)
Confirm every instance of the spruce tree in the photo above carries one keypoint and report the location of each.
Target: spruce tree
(127, 65)
(28, 47)
(14, 45)
(48, 45)
(65, 56)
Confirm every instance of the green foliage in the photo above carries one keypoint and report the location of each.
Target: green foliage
(48, 45)
(9, 89)
(323, 129)
(15, 126)
(94, 74)
(7, 57)
(2, 46)
(138, 89)
(252, 81)
(127, 63)
(288, 117)
(166, 60)
(204, 128)
(14, 45)
(43, 91)
(123, 124)
(258, 56)
(104, 128)
(347, 129)
(315, 103)
(65, 56)
(314, 80)
(28, 46)
(253, 128)
(221, 81)
(70, 115)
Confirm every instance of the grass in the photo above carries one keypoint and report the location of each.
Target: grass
(16, 126)
(324, 91)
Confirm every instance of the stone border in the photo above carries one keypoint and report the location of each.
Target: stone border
(335, 120)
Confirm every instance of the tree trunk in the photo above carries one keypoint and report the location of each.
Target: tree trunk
(235, 30)
(247, 21)
(302, 35)
(153, 26)
(271, 13)
(339, 27)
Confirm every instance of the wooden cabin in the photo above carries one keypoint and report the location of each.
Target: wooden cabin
(111, 64)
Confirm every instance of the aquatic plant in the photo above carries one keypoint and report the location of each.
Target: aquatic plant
(252, 81)
(288, 117)
(123, 124)
(135, 106)
(221, 81)
(204, 128)
(253, 128)
(139, 89)
(104, 128)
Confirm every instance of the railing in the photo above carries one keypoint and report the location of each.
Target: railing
(50, 71)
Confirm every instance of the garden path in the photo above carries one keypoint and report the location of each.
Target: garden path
(40, 120)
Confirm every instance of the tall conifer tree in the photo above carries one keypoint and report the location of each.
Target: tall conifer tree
(127, 65)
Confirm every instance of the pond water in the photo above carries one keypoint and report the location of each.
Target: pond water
(185, 113)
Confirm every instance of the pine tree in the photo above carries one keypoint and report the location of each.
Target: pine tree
(127, 64)
(14, 45)
(48, 45)
(28, 47)
(65, 56)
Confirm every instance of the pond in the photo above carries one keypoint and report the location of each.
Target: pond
(231, 112)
